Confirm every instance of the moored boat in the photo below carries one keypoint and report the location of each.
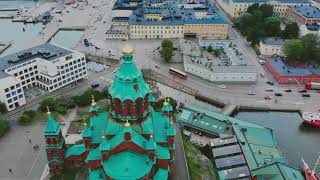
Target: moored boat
(312, 118)
(309, 173)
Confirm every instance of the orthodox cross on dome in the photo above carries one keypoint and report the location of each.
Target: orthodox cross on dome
(127, 124)
(127, 49)
(93, 103)
(48, 110)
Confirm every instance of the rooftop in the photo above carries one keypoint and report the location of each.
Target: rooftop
(279, 1)
(285, 69)
(46, 51)
(273, 41)
(307, 11)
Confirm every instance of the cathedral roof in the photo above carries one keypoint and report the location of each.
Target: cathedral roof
(129, 83)
(75, 150)
(133, 165)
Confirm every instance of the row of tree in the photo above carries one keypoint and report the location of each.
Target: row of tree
(303, 50)
(258, 22)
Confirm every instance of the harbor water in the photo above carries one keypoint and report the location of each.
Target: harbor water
(13, 32)
(68, 39)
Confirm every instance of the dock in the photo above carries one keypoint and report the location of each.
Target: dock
(229, 109)
(4, 46)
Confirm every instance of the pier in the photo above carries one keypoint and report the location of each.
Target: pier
(4, 46)
(229, 109)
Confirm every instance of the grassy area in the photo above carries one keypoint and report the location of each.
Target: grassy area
(196, 169)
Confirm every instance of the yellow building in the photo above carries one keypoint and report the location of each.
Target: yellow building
(156, 31)
(207, 31)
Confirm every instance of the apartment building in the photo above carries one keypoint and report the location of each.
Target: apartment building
(234, 8)
(303, 15)
(47, 66)
(271, 46)
(177, 19)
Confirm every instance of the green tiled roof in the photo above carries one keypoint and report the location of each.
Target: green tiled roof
(133, 165)
(160, 124)
(86, 132)
(75, 150)
(119, 138)
(151, 98)
(259, 145)
(94, 154)
(278, 171)
(161, 174)
(211, 122)
(97, 174)
(129, 82)
(162, 152)
(166, 107)
(94, 108)
(52, 128)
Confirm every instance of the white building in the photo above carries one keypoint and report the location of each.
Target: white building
(271, 46)
(48, 66)
(229, 67)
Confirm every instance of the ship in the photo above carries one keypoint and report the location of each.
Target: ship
(312, 118)
(310, 173)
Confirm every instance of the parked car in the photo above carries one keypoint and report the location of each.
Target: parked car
(270, 83)
(267, 97)
(95, 85)
(251, 92)
(116, 70)
(157, 66)
(288, 90)
(302, 91)
(261, 62)
(277, 94)
(86, 42)
(306, 95)
(222, 87)
(269, 90)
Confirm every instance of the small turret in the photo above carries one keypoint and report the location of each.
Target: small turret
(166, 108)
(55, 145)
(94, 109)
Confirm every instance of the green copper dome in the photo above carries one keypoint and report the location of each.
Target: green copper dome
(129, 82)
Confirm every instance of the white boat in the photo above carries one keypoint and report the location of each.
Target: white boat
(312, 118)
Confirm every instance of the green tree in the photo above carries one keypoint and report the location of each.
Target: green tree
(291, 31)
(166, 53)
(267, 10)
(4, 127)
(3, 108)
(272, 26)
(311, 43)
(24, 119)
(209, 49)
(294, 50)
(216, 52)
(253, 7)
(166, 43)
(48, 101)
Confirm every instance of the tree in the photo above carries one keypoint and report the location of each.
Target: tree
(166, 43)
(294, 50)
(291, 31)
(209, 49)
(48, 101)
(3, 108)
(166, 53)
(24, 119)
(4, 127)
(311, 43)
(272, 26)
(253, 7)
(267, 10)
(166, 50)
(216, 52)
